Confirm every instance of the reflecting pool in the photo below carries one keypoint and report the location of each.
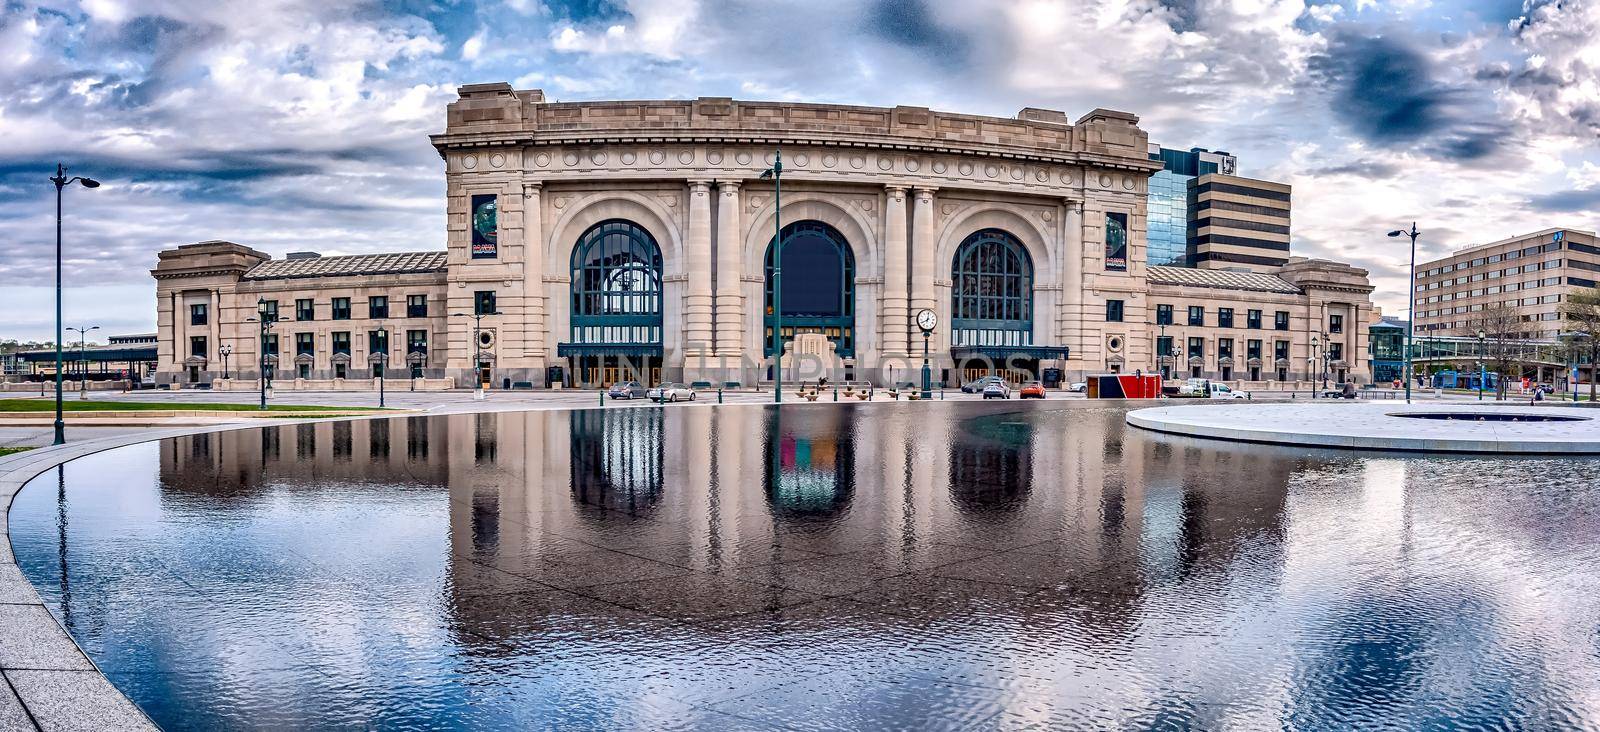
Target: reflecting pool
(921, 566)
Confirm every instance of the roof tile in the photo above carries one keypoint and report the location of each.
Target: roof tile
(1220, 279)
(360, 264)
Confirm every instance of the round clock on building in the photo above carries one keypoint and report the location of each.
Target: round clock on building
(926, 319)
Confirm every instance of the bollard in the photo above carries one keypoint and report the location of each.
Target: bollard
(602, 397)
(719, 395)
(836, 392)
(1249, 396)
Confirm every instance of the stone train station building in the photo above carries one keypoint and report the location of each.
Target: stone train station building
(634, 239)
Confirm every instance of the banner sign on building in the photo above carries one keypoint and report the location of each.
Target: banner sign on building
(1116, 242)
(485, 226)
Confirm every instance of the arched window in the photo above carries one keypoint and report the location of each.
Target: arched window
(616, 285)
(819, 286)
(991, 302)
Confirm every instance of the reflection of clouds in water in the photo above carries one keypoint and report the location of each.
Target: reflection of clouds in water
(605, 568)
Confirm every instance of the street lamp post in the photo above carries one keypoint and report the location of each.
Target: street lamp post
(776, 174)
(1327, 359)
(1411, 300)
(1159, 355)
(382, 360)
(266, 327)
(1311, 365)
(83, 361)
(62, 181)
(1480, 364)
(226, 350)
(477, 330)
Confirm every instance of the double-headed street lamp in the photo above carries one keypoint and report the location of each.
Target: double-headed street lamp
(1311, 365)
(776, 174)
(1411, 300)
(83, 360)
(266, 327)
(225, 350)
(62, 181)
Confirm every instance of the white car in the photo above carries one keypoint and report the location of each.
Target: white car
(1078, 386)
(670, 392)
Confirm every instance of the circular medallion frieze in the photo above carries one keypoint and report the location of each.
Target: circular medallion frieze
(991, 170)
(1127, 183)
(965, 168)
(714, 157)
(497, 160)
(1066, 177)
(1041, 176)
(829, 160)
(939, 166)
(856, 161)
(686, 157)
(885, 163)
(628, 158)
(1105, 181)
(570, 159)
(801, 160)
(767, 158)
(541, 160)
(598, 157)
(743, 158)
(657, 157)
(1047, 216)
(913, 165)
(469, 162)
(1016, 172)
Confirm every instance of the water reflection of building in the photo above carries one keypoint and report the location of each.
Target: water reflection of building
(616, 458)
(240, 463)
(991, 464)
(810, 456)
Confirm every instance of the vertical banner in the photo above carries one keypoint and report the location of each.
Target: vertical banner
(485, 227)
(1116, 242)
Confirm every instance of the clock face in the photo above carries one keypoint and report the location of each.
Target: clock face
(926, 319)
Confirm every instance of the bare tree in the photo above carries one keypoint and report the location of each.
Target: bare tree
(1581, 313)
(1504, 336)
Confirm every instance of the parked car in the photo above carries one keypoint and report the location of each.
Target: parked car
(1208, 389)
(1078, 386)
(671, 392)
(997, 390)
(1031, 390)
(627, 390)
(976, 386)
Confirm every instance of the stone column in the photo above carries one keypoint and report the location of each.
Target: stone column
(730, 284)
(893, 301)
(697, 333)
(533, 272)
(923, 260)
(1071, 323)
(214, 343)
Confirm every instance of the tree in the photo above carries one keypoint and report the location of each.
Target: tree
(1581, 313)
(1504, 336)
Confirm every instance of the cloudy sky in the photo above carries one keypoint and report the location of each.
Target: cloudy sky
(302, 124)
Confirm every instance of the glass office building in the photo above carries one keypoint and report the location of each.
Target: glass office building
(1168, 200)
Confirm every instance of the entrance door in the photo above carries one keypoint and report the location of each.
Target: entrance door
(1255, 373)
(483, 374)
(1227, 373)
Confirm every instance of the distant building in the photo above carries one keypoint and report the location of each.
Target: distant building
(1168, 200)
(1238, 223)
(1530, 273)
(1386, 344)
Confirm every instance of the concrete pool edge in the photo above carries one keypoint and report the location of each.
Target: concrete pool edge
(1247, 424)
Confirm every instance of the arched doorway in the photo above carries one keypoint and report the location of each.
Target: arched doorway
(819, 287)
(616, 306)
(991, 307)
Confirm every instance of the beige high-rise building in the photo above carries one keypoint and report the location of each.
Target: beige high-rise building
(589, 242)
(1532, 274)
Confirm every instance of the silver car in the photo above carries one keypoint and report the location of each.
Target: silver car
(997, 390)
(671, 392)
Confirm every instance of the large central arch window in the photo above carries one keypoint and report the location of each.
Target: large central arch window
(616, 285)
(991, 300)
(819, 286)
